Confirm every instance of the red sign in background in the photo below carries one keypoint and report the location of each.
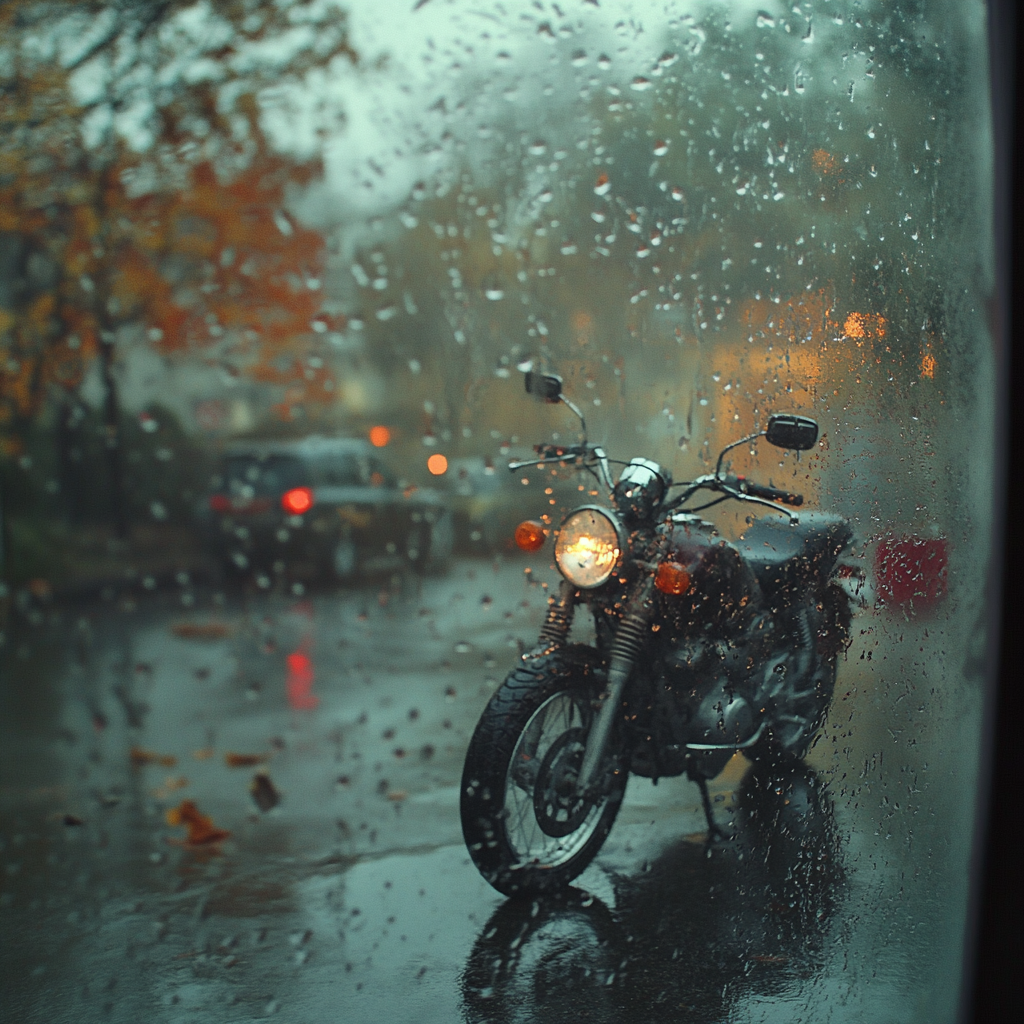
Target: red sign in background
(911, 570)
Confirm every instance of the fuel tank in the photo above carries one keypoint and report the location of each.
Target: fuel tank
(724, 598)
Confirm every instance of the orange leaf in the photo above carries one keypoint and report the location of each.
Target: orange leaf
(201, 829)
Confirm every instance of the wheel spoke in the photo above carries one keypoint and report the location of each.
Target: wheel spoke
(551, 723)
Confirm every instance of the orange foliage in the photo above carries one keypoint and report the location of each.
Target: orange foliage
(824, 162)
(865, 325)
(194, 258)
(201, 829)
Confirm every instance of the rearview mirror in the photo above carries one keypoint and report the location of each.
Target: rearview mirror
(788, 431)
(547, 386)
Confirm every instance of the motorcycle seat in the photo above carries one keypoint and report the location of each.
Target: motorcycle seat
(784, 556)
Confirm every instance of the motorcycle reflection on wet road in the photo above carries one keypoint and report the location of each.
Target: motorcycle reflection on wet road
(702, 927)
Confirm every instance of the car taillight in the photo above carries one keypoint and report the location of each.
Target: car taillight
(297, 500)
(219, 502)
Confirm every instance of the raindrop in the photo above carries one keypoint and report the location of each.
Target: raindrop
(603, 186)
(387, 312)
(640, 84)
(537, 148)
(677, 193)
(666, 60)
(463, 647)
(660, 148)
(604, 62)
(579, 58)
(765, 20)
(545, 31)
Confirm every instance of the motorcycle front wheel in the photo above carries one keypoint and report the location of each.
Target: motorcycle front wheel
(526, 826)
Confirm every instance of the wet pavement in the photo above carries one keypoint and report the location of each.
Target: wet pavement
(325, 730)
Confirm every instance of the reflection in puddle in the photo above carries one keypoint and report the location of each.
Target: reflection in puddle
(699, 932)
(299, 680)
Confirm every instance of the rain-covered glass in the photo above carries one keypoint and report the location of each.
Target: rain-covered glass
(270, 278)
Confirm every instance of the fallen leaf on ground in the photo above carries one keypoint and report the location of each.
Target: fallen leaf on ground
(200, 630)
(140, 757)
(244, 760)
(201, 829)
(264, 792)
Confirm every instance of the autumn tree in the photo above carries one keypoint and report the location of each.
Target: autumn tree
(152, 203)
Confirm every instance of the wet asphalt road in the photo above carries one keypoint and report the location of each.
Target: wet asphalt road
(840, 898)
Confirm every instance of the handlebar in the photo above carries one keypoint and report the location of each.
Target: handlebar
(590, 456)
(562, 451)
(745, 486)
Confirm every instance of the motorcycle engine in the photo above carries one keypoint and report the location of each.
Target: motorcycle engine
(695, 700)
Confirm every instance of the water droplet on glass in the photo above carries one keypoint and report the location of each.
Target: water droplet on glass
(603, 185)
(537, 148)
(604, 62)
(387, 312)
(494, 292)
(579, 58)
(765, 20)
(666, 60)
(640, 83)
(677, 193)
(660, 148)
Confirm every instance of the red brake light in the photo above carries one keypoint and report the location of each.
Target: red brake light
(297, 500)
(219, 502)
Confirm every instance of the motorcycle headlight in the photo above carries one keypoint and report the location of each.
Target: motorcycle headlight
(588, 547)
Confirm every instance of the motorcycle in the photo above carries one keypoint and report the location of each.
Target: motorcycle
(703, 647)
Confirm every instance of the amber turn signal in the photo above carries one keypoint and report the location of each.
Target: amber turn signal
(530, 535)
(672, 578)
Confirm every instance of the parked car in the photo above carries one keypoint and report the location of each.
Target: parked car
(326, 506)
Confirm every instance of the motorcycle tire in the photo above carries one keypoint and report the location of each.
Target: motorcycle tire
(525, 826)
(798, 714)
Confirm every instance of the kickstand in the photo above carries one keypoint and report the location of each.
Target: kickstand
(714, 831)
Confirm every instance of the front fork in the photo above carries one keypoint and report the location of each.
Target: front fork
(629, 638)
